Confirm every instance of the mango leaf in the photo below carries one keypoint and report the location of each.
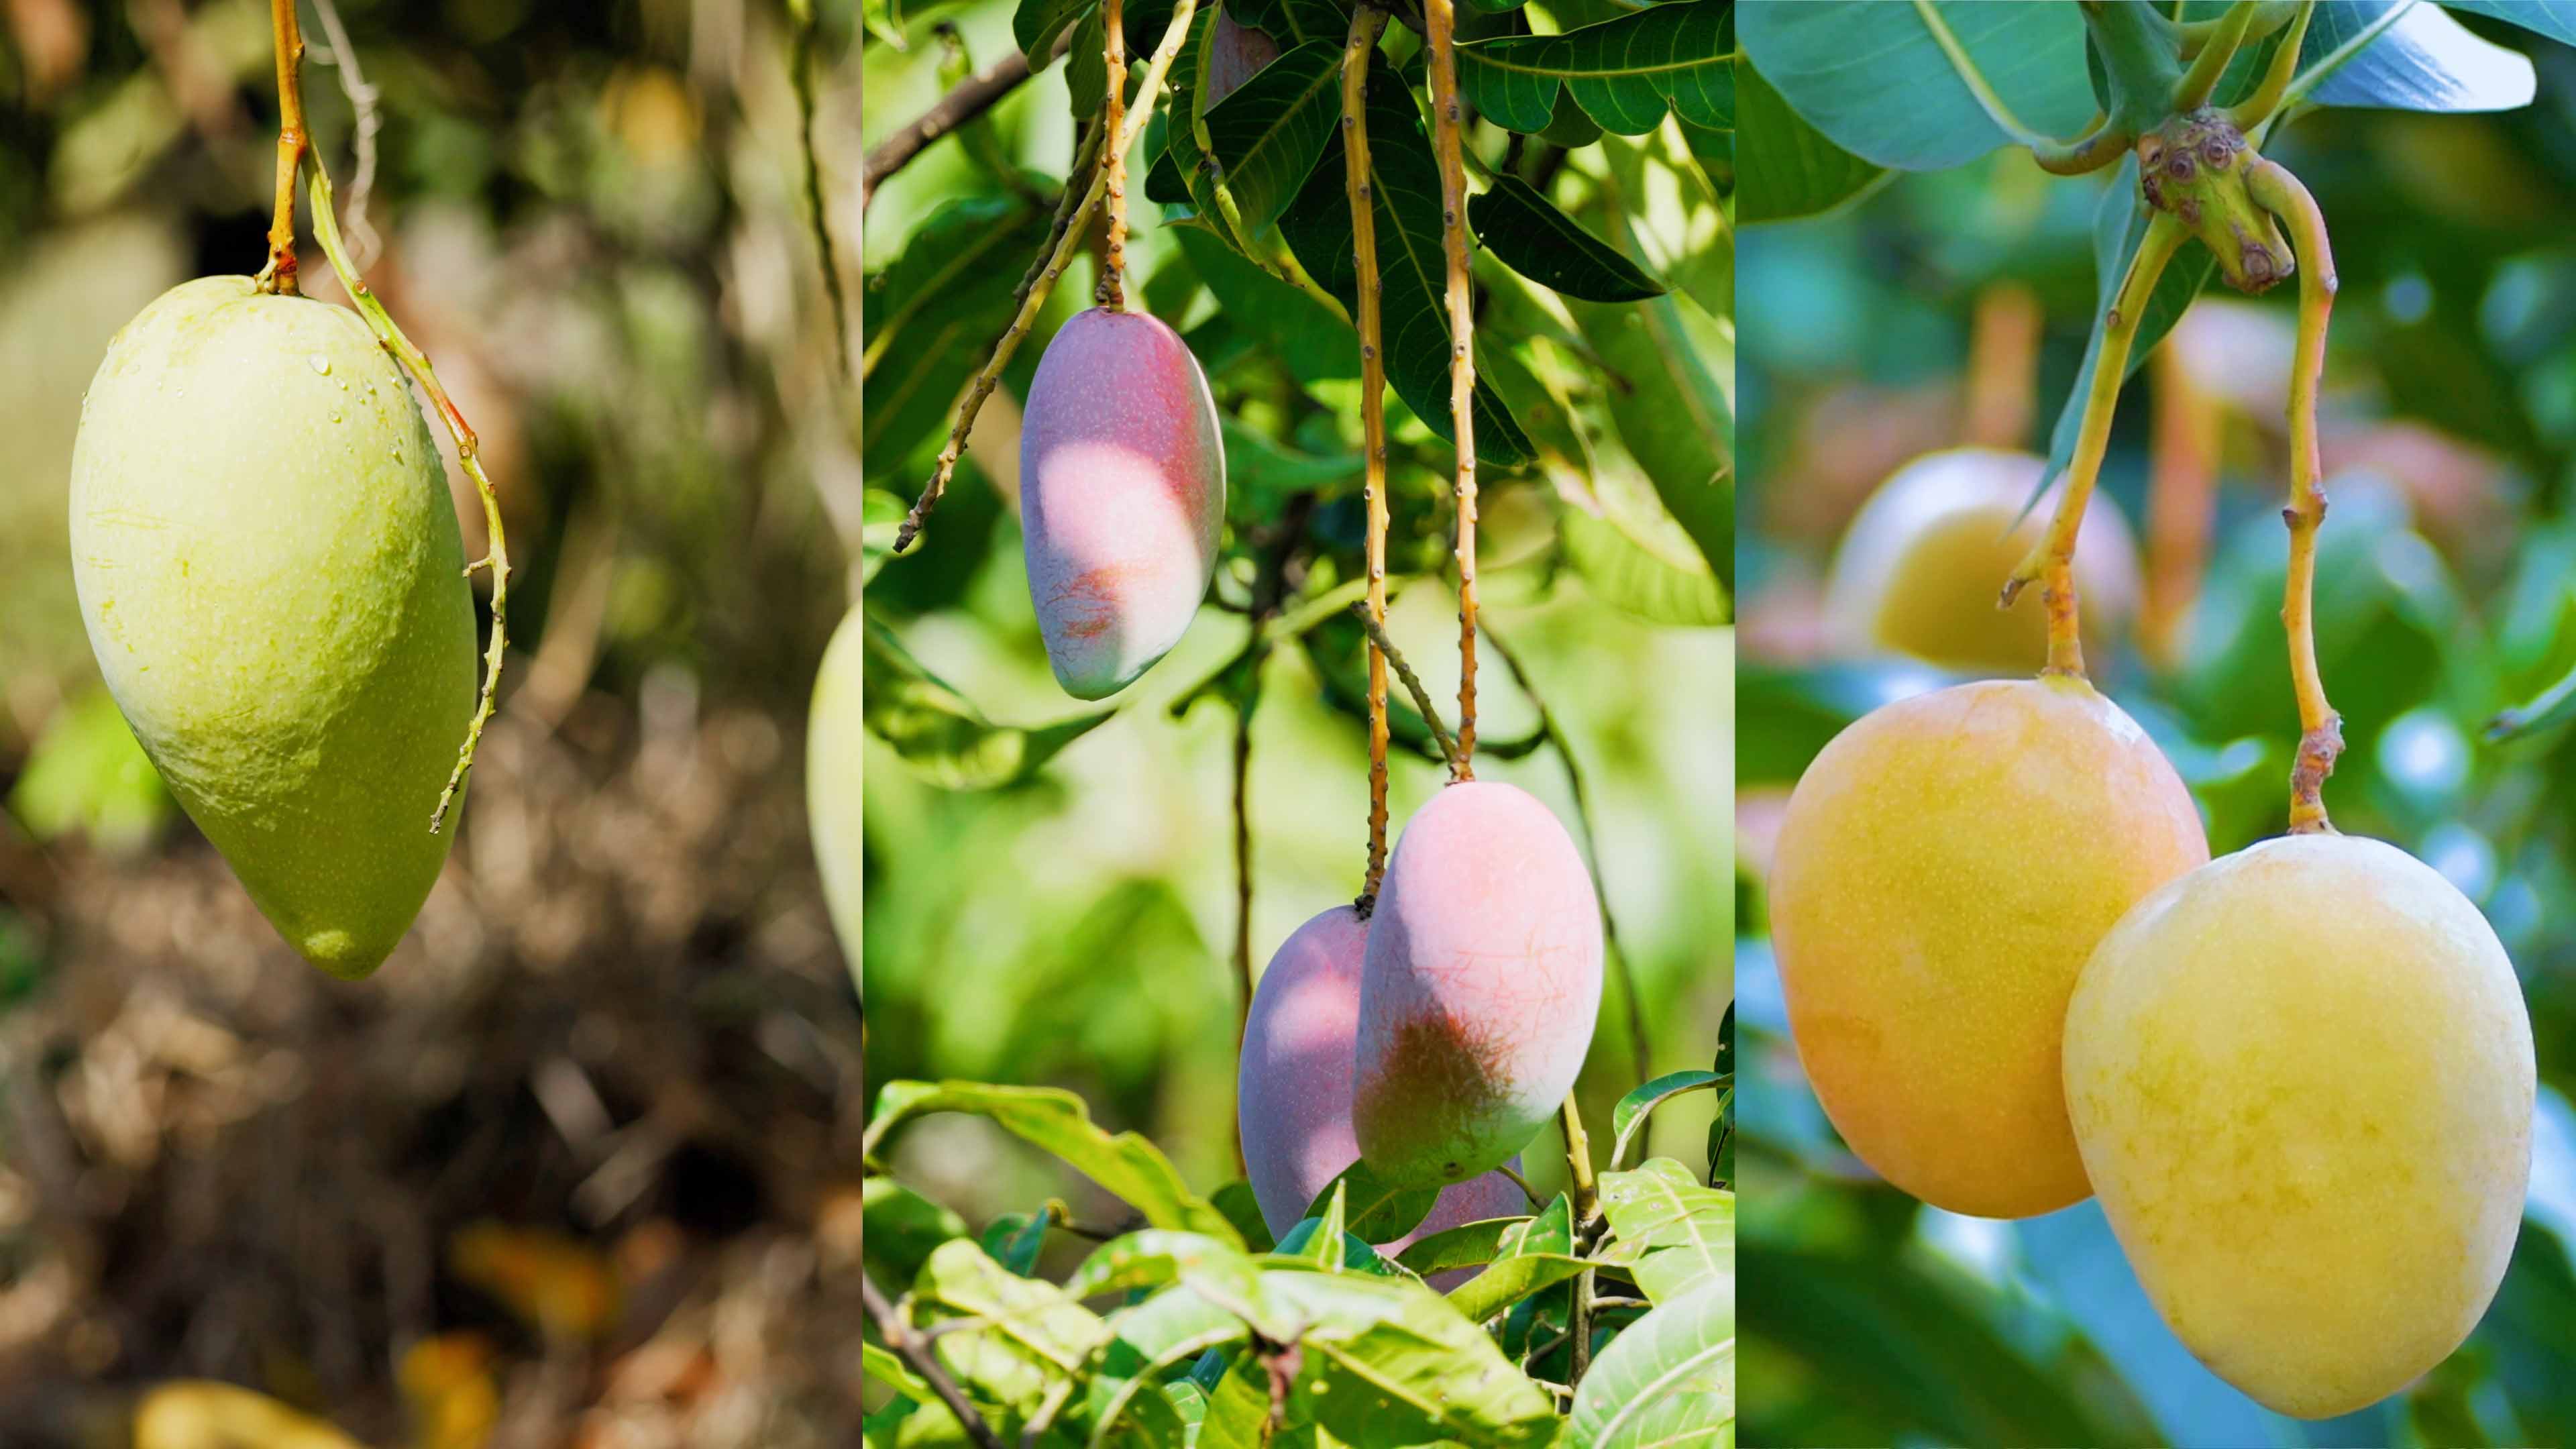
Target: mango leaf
(1028, 1334)
(87, 773)
(2403, 56)
(1662, 388)
(1529, 1255)
(1632, 554)
(1086, 67)
(1876, 81)
(1625, 73)
(1127, 1165)
(930, 319)
(900, 1227)
(1014, 1239)
(1311, 339)
(1674, 1233)
(1377, 1211)
(1785, 168)
(2544, 17)
(1147, 1341)
(1382, 1361)
(1261, 475)
(1269, 133)
(881, 516)
(940, 734)
(1307, 1241)
(1667, 1380)
(1242, 1209)
(1038, 24)
(1294, 22)
(1412, 273)
(1629, 1116)
(1524, 231)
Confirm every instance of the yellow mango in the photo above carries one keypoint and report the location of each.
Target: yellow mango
(2302, 1080)
(1944, 869)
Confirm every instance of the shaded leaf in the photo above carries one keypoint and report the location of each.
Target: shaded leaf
(1625, 73)
(1524, 231)
(941, 734)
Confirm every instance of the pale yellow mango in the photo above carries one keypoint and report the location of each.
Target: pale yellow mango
(274, 587)
(1944, 869)
(2302, 1080)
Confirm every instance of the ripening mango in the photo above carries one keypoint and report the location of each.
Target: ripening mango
(275, 589)
(1944, 868)
(1918, 570)
(1122, 492)
(1235, 51)
(1481, 983)
(2302, 1079)
(1293, 1090)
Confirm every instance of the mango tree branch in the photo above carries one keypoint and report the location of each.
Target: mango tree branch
(326, 229)
(1448, 127)
(2100, 146)
(904, 1339)
(1067, 239)
(2321, 729)
(2052, 561)
(278, 276)
(2257, 108)
(2197, 83)
(1367, 23)
(970, 98)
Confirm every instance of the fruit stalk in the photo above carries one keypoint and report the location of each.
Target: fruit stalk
(1035, 289)
(1382, 647)
(1367, 23)
(2259, 107)
(2053, 560)
(1111, 292)
(1448, 126)
(326, 229)
(2273, 187)
(2194, 90)
(278, 277)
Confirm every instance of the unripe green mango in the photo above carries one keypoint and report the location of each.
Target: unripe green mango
(835, 780)
(274, 586)
(2302, 1080)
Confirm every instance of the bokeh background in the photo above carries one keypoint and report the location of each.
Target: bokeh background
(1075, 923)
(578, 1165)
(2445, 596)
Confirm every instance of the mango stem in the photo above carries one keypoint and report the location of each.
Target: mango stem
(1111, 291)
(1448, 123)
(278, 276)
(2052, 561)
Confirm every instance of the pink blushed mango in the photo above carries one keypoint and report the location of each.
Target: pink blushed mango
(1293, 1094)
(1480, 987)
(1122, 491)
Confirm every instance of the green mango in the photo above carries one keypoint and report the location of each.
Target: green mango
(274, 585)
(834, 769)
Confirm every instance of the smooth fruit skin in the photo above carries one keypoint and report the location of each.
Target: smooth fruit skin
(1122, 491)
(1293, 1089)
(1918, 570)
(1944, 869)
(1480, 987)
(275, 589)
(2302, 1077)
(835, 782)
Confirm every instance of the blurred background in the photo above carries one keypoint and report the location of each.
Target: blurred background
(577, 1166)
(1950, 310)
(1071, 919)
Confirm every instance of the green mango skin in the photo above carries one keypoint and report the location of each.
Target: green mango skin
(274, 586)
(835, 776)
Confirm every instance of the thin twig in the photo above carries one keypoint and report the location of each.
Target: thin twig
(326, 228)
(278, 276)
(2193, 91)
(965, 101)
(800, 64)
(1564, 748)
(2272, 187)
(1537, 1203)
(900, 1336)
(2053, 560)
(1042, 281)
(1448, 124)
(342, 57)
(1383, 647)
(1367, 23)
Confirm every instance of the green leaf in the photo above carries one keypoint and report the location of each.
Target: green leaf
(1412, 271)
(1306, 1242)
(1038, 24)
(900, 1227)
(1667, 1380)
(1875, 79)
(1261, 475)
(86, 773)
(930, 319)
(1127, 1165)
(1624, 73)
(1242, 1209)
(1529, 1255)
(1294, 22)
(1785, 168)
(1677, 422)
(1315, 342)
(1014, 1239)
(1028, 1336)
(1524, 231)
(1271, 131)
(1633, 1108)
(940, 734)
(1673, 1232)
(1148, 1340)
(1378, 1211)
(1633, 555)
